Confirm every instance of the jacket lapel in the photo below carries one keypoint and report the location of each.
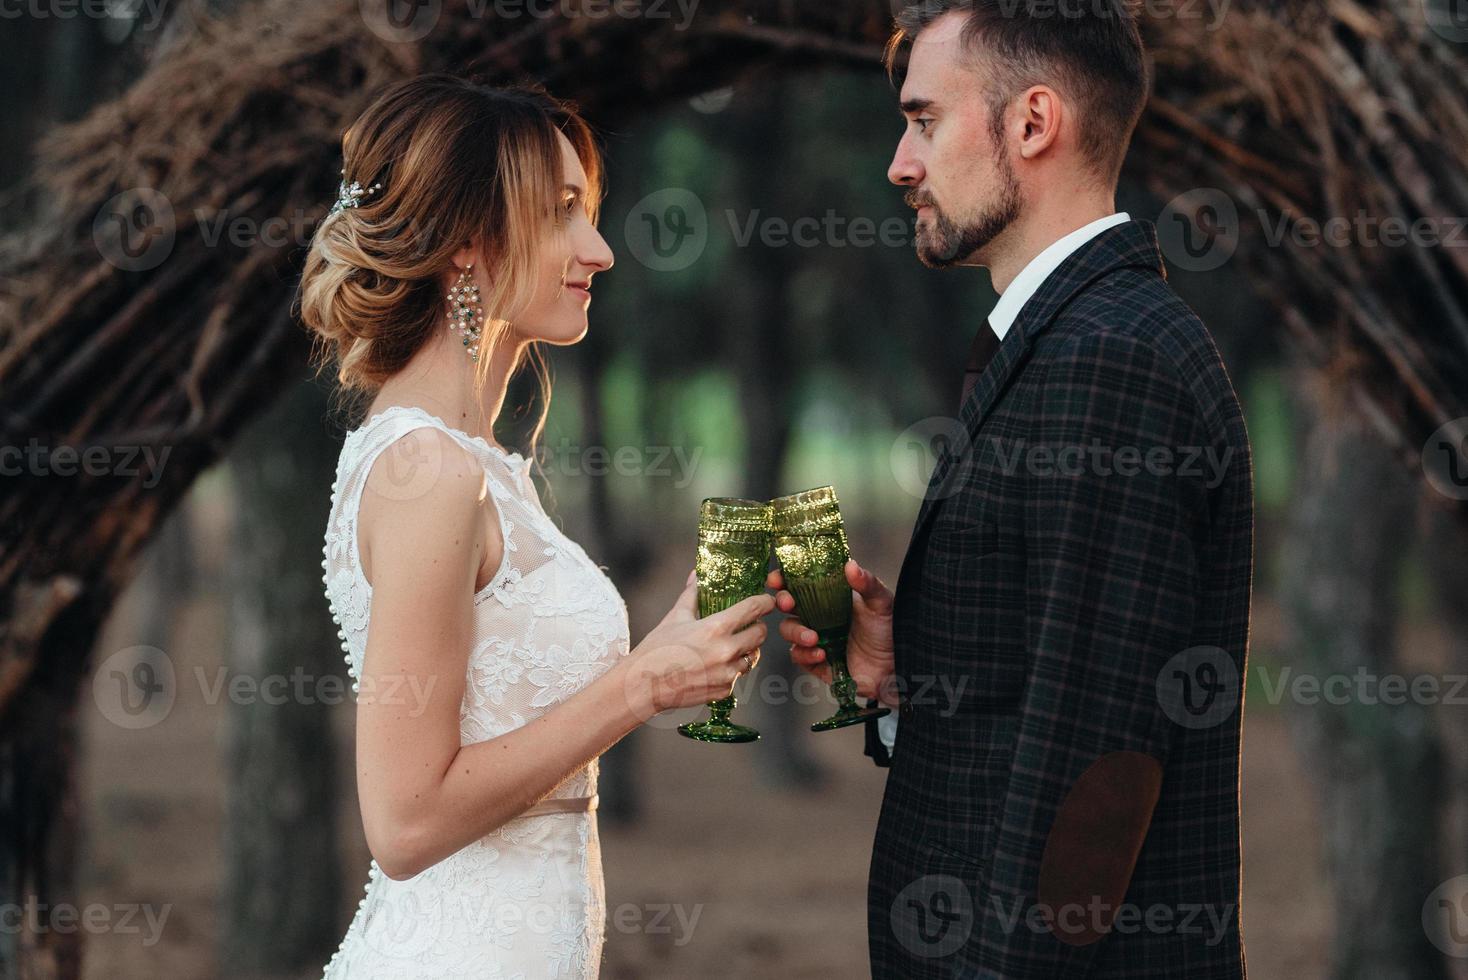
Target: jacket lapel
(1132, 244)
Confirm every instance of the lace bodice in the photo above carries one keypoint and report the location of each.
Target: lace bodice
(547, 623)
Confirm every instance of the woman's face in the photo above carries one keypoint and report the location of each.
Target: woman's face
(571, 252)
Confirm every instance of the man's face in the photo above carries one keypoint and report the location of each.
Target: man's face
(957, 175)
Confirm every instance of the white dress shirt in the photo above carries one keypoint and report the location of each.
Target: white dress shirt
(1011, 301)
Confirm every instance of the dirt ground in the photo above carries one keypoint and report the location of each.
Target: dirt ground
(724, 874)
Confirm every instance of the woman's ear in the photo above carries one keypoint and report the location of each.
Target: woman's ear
(465, 257)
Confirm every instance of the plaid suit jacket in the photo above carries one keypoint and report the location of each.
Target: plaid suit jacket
(1071, 626)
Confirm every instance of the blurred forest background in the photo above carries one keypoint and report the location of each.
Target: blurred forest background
(757, 355)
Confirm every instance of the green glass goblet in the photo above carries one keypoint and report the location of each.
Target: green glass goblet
(810, 545)
(733, 560)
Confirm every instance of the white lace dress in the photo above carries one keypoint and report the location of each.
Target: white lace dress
(526, 901)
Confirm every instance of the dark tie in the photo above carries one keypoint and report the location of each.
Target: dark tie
(986, 343)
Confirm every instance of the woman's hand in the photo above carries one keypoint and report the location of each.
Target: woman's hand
(869, 650)
(687, 661)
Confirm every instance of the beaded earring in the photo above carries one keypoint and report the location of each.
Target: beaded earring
(466, 315)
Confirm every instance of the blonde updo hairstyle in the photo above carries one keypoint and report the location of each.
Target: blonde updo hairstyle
(459, 163)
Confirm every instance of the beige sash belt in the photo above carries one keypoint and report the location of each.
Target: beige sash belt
(563, 804)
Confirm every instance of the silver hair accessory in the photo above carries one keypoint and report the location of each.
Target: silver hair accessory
(466, 315)
(350, 195)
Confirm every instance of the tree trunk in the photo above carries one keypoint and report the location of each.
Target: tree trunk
(1378, 767)
(283, 880)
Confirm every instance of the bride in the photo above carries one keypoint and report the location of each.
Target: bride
(489, 654)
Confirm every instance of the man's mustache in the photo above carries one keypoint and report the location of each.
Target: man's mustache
(919, 199)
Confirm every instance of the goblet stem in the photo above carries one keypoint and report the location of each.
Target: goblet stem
(843, 685)
(719, 709)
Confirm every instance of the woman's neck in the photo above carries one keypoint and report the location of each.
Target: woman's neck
(440, 379)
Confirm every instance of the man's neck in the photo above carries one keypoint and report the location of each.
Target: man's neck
(1040, 227)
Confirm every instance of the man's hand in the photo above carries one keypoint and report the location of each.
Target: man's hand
(869, 651)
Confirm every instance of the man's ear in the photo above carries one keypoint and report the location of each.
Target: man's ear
(1041, 113)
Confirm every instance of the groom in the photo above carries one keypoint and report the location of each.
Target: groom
(1066, 641)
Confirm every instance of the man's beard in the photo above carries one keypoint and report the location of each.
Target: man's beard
(948, 243)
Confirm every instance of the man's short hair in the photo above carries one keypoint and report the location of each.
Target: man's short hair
(1090, 50)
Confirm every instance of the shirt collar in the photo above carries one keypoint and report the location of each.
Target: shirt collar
(1034, 274)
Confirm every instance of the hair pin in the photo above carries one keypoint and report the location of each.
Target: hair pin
(350, 195)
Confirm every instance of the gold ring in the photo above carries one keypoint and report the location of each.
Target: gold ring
(748, 664)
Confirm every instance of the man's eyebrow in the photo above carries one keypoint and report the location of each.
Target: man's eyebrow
(909, 106)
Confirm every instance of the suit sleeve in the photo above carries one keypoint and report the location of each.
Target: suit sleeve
(1111, 582)
(875, 749)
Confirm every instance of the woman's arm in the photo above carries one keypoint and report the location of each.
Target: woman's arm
(423, 796)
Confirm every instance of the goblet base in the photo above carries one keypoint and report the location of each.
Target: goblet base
(849, 716)
(718, 731)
